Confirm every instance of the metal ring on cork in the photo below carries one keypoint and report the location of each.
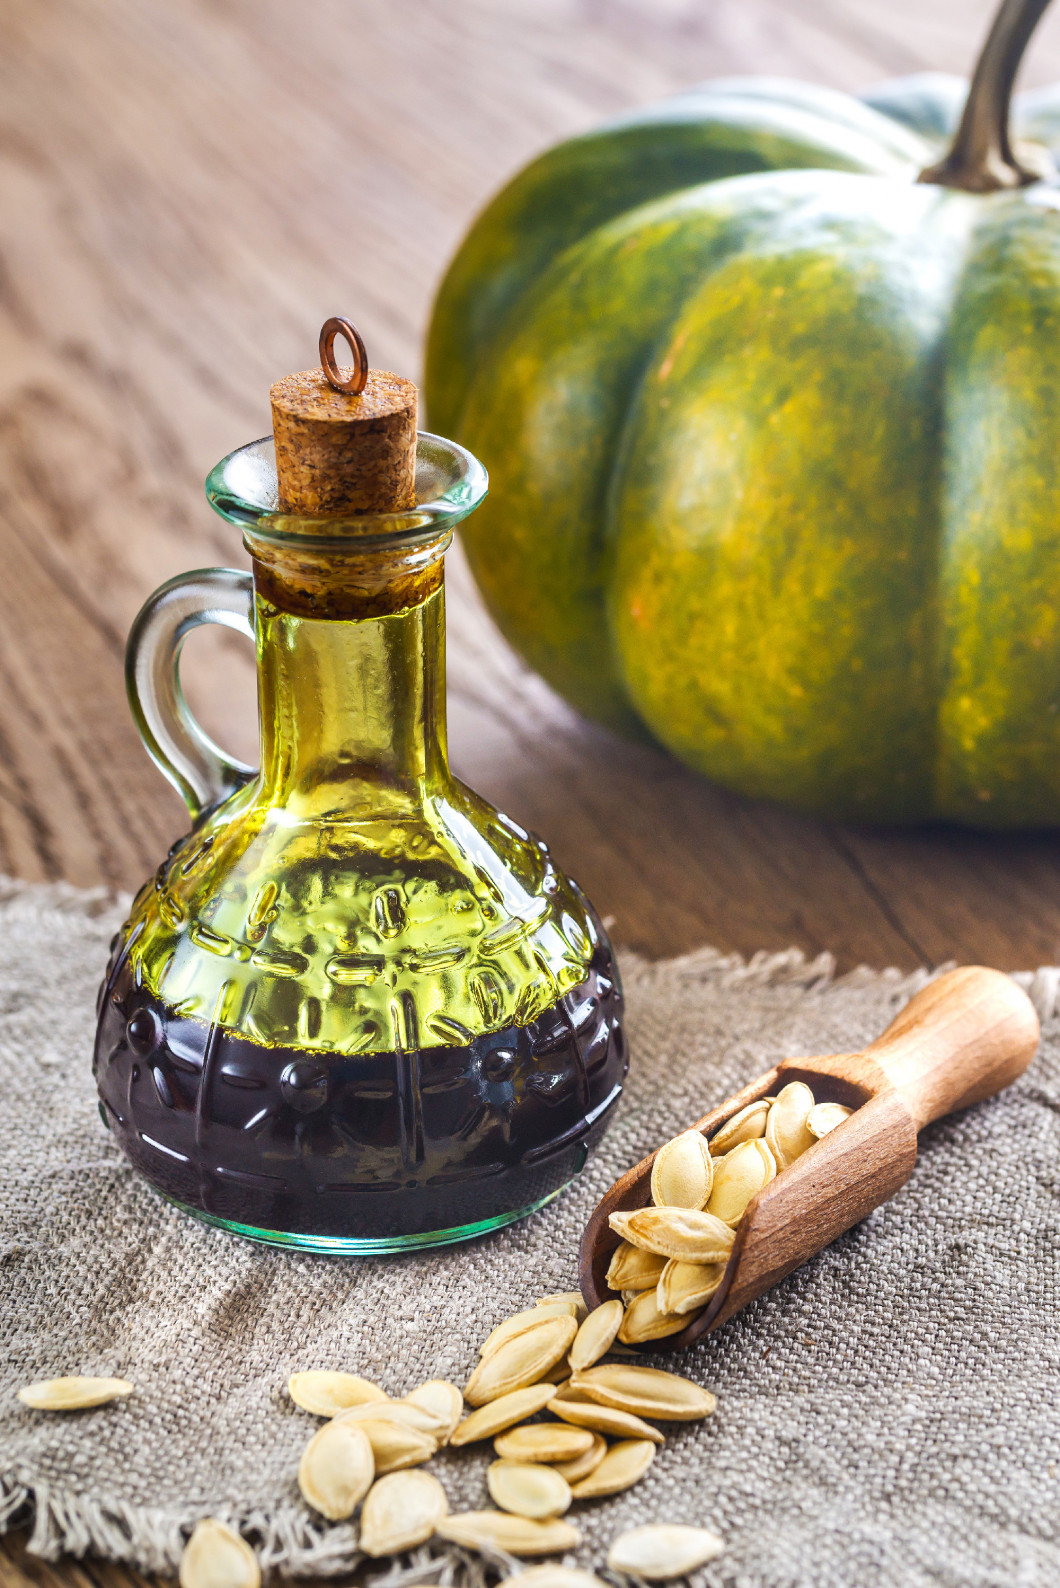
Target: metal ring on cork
(338, 326)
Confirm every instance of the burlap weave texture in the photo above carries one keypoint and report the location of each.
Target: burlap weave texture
(886, 1416)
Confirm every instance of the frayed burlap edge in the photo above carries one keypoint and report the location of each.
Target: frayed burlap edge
(289, 1542)
(287, 1539)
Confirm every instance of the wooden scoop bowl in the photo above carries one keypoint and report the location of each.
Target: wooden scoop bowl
(960, 1040)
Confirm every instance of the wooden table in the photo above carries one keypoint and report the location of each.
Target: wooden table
(187, 189)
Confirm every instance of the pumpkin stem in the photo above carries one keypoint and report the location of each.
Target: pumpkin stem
(982, 158)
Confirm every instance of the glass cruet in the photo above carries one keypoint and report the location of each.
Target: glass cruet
(357, 1009)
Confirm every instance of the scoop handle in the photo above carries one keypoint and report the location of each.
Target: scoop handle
(960, 1039)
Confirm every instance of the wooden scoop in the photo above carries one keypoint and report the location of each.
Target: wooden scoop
(961, 1039)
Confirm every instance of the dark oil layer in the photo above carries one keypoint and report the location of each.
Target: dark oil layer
(375, 1146)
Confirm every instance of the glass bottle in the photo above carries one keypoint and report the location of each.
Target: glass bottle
(357, 1009)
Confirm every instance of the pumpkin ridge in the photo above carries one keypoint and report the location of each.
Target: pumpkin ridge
(1000, 545)
(786, 674)
(551, 612)
(569, 191)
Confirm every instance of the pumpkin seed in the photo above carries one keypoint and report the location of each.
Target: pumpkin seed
(552, 1577)
(403, 1412)
(748, 1124)
(73, 1394)
(824, 1117)
(625, 1463)
(394, 1445)
(632, 1268)
(682, 1173)
(336, 1469)
(692, 1234)
(644, 1320)
(575, 1297)
(328, 1394)
(646, 1392)
(766, 1153)
(521, 1360)
(786, 1134)
(574, 1471)
(605, 1420)
(563, 1392)
(519, 1322)
(547, 1442)
(593, 1339)
(686, 1287)
(502, 1413)
(738, 1177)
(401, 1511)
(517, 1535)
(526, 1489)
(443, 1401)
(216, 1557)
(664, 1550)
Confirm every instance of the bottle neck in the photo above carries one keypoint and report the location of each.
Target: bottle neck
(352, 710)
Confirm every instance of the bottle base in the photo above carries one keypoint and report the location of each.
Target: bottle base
(364, 1246)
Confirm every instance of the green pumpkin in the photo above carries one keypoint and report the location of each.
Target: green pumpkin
(773, 432)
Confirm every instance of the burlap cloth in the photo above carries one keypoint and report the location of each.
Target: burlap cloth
(888, 1415)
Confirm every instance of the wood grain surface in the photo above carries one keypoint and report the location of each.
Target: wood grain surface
(188, 188)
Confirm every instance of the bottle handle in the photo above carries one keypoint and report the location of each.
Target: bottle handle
(199, 770)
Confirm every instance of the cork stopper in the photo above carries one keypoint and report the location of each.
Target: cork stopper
(345, 445)
(345, 442)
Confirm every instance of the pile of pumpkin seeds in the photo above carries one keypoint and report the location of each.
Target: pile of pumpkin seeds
(672, 1255)
(593, 1434)
(568, 1423)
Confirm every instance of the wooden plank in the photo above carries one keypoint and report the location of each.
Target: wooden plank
(20, 1569)
(186, 191)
